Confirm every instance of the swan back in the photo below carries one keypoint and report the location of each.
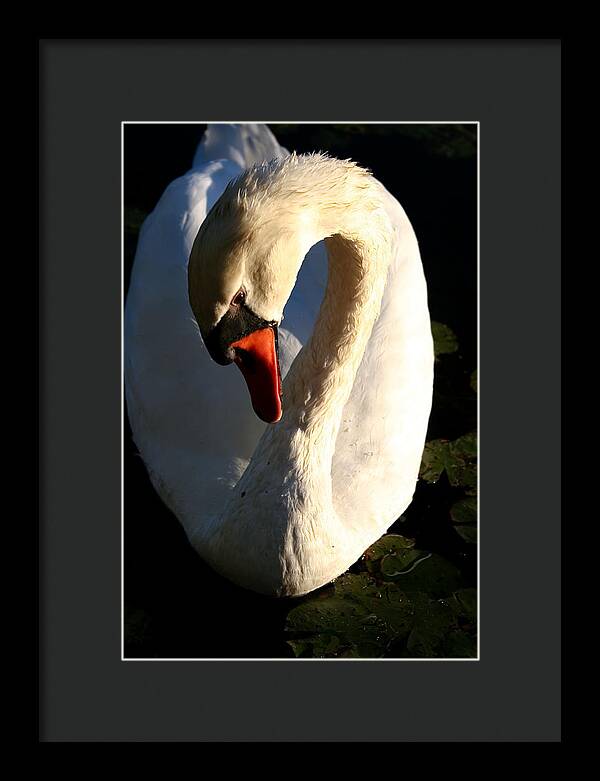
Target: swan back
(244, 145)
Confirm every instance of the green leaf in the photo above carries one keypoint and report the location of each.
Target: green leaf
(465, 510)
(434, 621)
(394, 558)
(405, 606)
(333, 627)
(473, 382)
(458, 459)
(444, 339)
(462, 473)
(464, 515)
(435, 457)
(466, 603)
(460, 645)
(466, 446)
(433, 575)
(468, 533)
(389, 543)
(300, 647)
(396, 564)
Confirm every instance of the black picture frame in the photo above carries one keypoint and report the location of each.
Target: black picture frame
(87, 88)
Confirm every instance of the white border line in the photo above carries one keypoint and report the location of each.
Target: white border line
(122, 305)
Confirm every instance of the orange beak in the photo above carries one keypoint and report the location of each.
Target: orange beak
(256, 357)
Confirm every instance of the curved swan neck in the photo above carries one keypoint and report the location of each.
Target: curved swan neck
(320, 381)
(358, 236)
(273, 214)
(285, 207)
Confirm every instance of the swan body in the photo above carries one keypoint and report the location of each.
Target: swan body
(327, 258)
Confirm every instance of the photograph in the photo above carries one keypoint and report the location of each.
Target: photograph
(300, 391)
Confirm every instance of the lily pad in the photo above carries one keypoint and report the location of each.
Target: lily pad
(465, 510)
(468, 533)
(464, 516)
(363, 617)
(388, 544)
(460, 645)
(395, 558)
(336, 625)
(458, 459)
(433, 575)
(466, 602)
(435, 621)
(444, 339)
(435, 457)
(466, 445)
(473, 381)
(395, 564)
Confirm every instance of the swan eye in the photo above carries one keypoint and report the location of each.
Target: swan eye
(239, 298)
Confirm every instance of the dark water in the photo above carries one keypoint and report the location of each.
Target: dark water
(175, 606)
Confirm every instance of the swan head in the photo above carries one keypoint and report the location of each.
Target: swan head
(242, 269)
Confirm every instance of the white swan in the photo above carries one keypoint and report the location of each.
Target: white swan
(282, 508)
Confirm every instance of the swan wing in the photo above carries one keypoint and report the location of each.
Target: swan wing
(382, 434)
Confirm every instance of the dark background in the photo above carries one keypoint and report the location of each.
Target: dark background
(175, 606)
(87, 88)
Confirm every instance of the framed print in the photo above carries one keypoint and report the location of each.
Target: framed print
(353, 511)
(390, 569)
